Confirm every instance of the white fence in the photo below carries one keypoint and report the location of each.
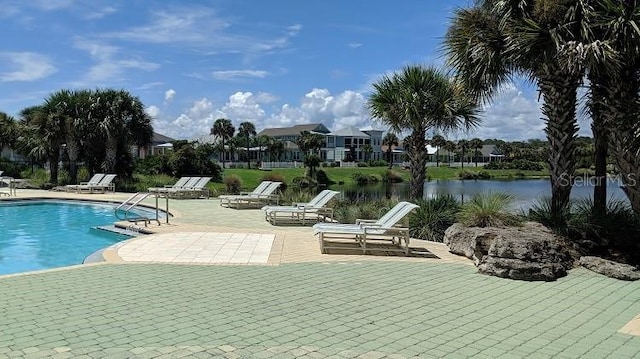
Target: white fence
(269, 165)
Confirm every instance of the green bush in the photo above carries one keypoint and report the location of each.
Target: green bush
(378, 163)
(489, 209)
(12, 169)
(323, 179)
(348, 211)
(304, 182)
(433, 217)
(362, 178)
(390, 176)
(233, 184)
(275, 177)
(471, 175)
(519, 164)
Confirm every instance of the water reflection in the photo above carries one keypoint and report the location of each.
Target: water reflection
(526, 191)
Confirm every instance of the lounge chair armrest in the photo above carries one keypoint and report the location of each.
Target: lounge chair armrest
(359, 221)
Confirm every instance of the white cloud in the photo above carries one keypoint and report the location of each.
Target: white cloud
(354, 45)
(234, 74)
(169, 95)
(25, 66)
(110, 66)
(153, 111)
(203, 29)
(100, 13)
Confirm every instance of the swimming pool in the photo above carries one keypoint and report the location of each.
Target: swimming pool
(48, 234)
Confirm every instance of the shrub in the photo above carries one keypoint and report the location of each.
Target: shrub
(233, 184)
(361, 178)
(296, 195)
(275, 177)
(153, 165)
(541, 212)
(349, 211)
(304, 182)
(433, 217)
(468, 175)
(323, 179)
(489, 209)
(519, 164)
(13, 169)
(378, 163)
(390, 176)
(362, 164)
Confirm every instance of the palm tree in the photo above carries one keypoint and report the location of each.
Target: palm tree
(309, 144)
(417, 99)
(463, 145)
(450, 146)
(390, 140)
(367, 150)
(493, 40)
(247, 130)
(476, 144)
(223, 129)
(612, 62)
(438, 142)
(120, 121)
(262, 141)
(43, 138)
(8, 132)
(275, 148)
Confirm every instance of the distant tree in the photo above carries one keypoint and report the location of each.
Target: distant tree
(463, 145)
(262, 142)
(476, 144)
(247, 130)
(438, 142)
(450, 146)
(419, 98)
(8, 131)
(224, 130)
(390, 140)
(309, 143)
(367, 150)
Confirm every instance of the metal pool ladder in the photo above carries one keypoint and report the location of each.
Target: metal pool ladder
(126, 207)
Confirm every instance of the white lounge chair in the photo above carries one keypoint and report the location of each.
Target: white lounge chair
(194, 188)
(268, 195)
(179, 184)
(93, 181)
(105, 184)
(301, 213)
(256, 191)
(363, 231)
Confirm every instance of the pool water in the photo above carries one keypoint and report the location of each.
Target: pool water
(46, 234)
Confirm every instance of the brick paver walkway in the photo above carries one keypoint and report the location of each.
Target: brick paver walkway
(335, 309)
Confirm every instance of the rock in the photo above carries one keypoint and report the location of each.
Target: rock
(531, 252)
(610, 268)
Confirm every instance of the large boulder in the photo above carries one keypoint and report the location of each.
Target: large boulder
(531, 252)
(610, 268)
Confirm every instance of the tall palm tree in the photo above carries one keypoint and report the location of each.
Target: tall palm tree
(463, 145)
(309, 144)
(418, 98)
(450, 146)
(612, 61)
(495, 39)
(43, 138)
(390, 140)
(223, 129)
(262, 141)
(438, 142)
(8, 129)
(247, 130)
(476, 144)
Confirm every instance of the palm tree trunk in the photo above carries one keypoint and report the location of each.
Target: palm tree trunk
(559, 107)
(73, 151)
(599, 128)
(625, 134)
(223, 153)
(389, 158)
(418, 160)
(53, 167)
(110, 155)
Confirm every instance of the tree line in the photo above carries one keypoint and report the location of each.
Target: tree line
(95, 127)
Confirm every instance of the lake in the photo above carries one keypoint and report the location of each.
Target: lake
(526, 191)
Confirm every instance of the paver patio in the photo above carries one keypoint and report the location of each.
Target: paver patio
(306, 304)
(336, 309)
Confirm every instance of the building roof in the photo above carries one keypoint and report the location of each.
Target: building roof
(350, 131)
(294, 130)
(160, 138)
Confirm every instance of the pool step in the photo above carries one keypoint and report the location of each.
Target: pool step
(121, 230)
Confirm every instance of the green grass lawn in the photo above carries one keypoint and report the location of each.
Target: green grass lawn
(251, 178)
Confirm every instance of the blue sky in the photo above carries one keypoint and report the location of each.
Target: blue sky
(274, 63)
